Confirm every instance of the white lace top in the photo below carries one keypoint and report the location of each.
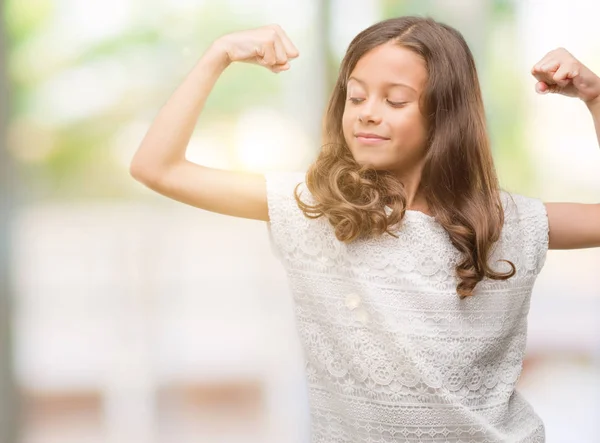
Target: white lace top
(392, 353)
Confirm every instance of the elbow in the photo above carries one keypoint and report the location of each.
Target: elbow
(136, 171)
(150, 174)
(143, 173)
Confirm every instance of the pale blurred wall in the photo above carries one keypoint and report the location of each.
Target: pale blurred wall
(153, 321)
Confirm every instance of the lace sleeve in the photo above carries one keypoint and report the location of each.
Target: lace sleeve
(284, 213)
(531, 218)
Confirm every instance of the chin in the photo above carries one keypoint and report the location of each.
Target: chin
(374, 163)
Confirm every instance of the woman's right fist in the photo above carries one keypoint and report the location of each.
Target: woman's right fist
(268, 46)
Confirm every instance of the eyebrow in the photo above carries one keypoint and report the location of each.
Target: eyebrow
(404, 85)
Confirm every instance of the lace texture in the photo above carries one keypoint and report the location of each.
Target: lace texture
(392, 354)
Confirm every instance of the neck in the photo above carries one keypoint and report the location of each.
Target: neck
(415, 199)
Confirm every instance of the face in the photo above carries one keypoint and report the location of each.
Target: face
(382, 122)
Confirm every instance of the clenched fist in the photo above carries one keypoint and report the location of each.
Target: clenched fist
(561, 73)
(268, 46)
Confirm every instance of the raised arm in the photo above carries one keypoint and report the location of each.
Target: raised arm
(160, 161)
(571, 225)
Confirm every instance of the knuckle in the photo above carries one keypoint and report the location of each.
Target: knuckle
(271, 34)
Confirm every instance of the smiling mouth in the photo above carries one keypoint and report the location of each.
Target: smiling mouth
(371, 140)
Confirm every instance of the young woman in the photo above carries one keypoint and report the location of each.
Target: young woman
(410, 269)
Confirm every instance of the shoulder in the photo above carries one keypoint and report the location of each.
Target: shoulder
(281, 187)
(520, 208)
(525, 231)
(294, 235)
(281, 190)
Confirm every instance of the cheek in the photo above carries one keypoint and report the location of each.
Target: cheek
(347, 123)
(410, 127)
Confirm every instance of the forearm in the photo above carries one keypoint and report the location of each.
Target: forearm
(167, 139)
(594, 107)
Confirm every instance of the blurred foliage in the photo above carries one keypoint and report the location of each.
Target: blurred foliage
(81, 163)
(166, 42)
(24, 19)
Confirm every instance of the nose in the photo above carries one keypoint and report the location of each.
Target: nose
(369, 113)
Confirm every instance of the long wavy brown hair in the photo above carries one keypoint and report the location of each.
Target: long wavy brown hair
(459, 180)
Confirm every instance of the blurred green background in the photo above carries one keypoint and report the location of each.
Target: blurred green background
(74, 91)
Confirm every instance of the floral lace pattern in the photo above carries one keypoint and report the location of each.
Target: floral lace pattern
(392, 354)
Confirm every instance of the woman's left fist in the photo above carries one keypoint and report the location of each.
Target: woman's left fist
(561, 73)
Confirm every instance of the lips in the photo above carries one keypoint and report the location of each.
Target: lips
(370, 136)
(369, 139)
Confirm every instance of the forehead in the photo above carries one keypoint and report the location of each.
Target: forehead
(391, 63)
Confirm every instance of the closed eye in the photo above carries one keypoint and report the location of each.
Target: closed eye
(355, 101)
(396, 104)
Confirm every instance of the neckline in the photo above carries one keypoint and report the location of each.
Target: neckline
(419, 214)
(411, 212)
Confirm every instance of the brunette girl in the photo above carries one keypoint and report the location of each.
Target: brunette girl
(411, 269)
